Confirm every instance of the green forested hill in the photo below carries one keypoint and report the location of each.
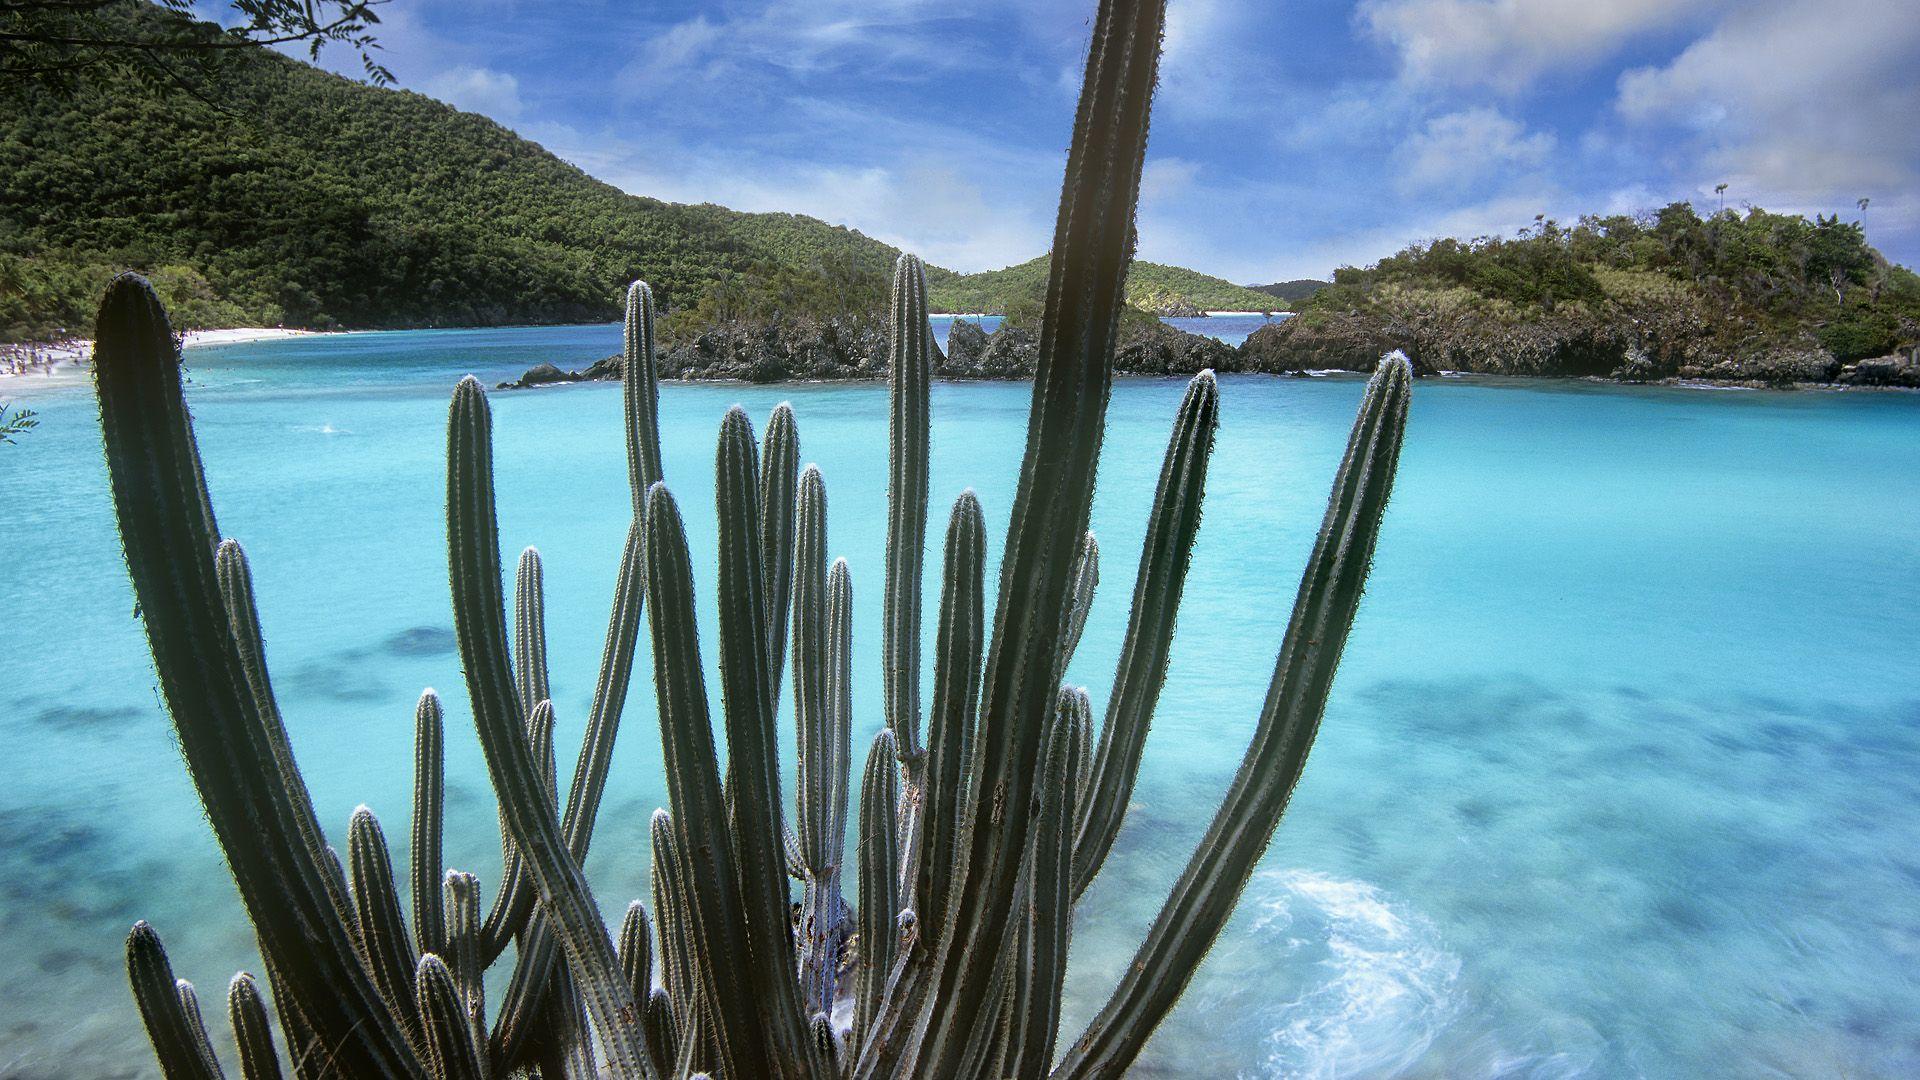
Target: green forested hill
(325, 202)
(1152, 286)
(307, 199)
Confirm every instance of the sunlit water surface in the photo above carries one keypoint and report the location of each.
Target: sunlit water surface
(1621, 776)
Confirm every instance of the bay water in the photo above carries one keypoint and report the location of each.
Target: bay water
(1620, 777)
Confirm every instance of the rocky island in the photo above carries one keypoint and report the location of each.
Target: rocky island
(1760, 299)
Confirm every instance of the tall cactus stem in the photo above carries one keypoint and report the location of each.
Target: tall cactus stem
(479, 622)
(451, 1053)
(1172, 526)
(157, 993)
(1092, 249)
(429, 815)
(263, 821)
(385, 947)
(1323, 613)
(640, 389)
(879, 873)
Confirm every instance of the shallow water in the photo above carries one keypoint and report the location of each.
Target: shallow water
(1620, 778)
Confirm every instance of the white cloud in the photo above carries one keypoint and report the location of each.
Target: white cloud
(477, 89)
(1468, 145)
(1508, 44)
(1796, 104)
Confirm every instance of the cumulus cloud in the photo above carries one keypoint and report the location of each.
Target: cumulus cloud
(1469, 145)
(1795, 103)
(1508, 44)
(477, 89)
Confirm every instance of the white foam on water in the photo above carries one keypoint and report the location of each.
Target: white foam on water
(1381, 990)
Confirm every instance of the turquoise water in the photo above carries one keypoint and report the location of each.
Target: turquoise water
(1621, 776)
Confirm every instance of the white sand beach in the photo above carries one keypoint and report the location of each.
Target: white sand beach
(27, 369)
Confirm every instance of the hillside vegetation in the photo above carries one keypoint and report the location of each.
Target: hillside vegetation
(305, 199)
(1163, 290)
(1754, 297)
(1291, 291)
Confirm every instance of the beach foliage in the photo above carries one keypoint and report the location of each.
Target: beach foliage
(986, 808)
(16, 421)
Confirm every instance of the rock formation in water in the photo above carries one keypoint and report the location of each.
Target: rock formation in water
(1657, 346)
(781, 350)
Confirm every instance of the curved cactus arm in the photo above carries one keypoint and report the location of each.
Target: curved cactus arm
(753, 756)
(429, 815)
(480, 626)
(157, 993)
(879, 871)
(385, 947)
(236, 589)
(640, 387)
(264, 822)
(714, 909)
(1086, 579)
(1092, 248)
(779, 474)
(512, 909)
(1171, 528)
(252, 1031)
(451, 1051)
(197, 1025)
(1323, 614)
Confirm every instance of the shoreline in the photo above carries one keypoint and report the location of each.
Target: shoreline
(46, 365)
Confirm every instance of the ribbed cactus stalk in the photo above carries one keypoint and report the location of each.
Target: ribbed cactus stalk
(385, 947)
(879, 870)
(252, 1031)
(1171, 528)
(973, 845)
(822, 694)
(429, 814)
(263, 820)
(450, 1050)
(909, 426)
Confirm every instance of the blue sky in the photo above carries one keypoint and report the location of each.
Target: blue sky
(1290, 136)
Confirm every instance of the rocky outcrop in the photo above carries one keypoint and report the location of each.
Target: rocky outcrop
(1894, 369)
(1648, 346)
(1660, 347)
(781, 350)
(1009, 353)
(549, 375)
(1145, 349)
(1163, 350)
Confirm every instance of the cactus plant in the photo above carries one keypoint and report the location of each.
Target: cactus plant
(974, 842)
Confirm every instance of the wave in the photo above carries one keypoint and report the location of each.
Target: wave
(1379, 985)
